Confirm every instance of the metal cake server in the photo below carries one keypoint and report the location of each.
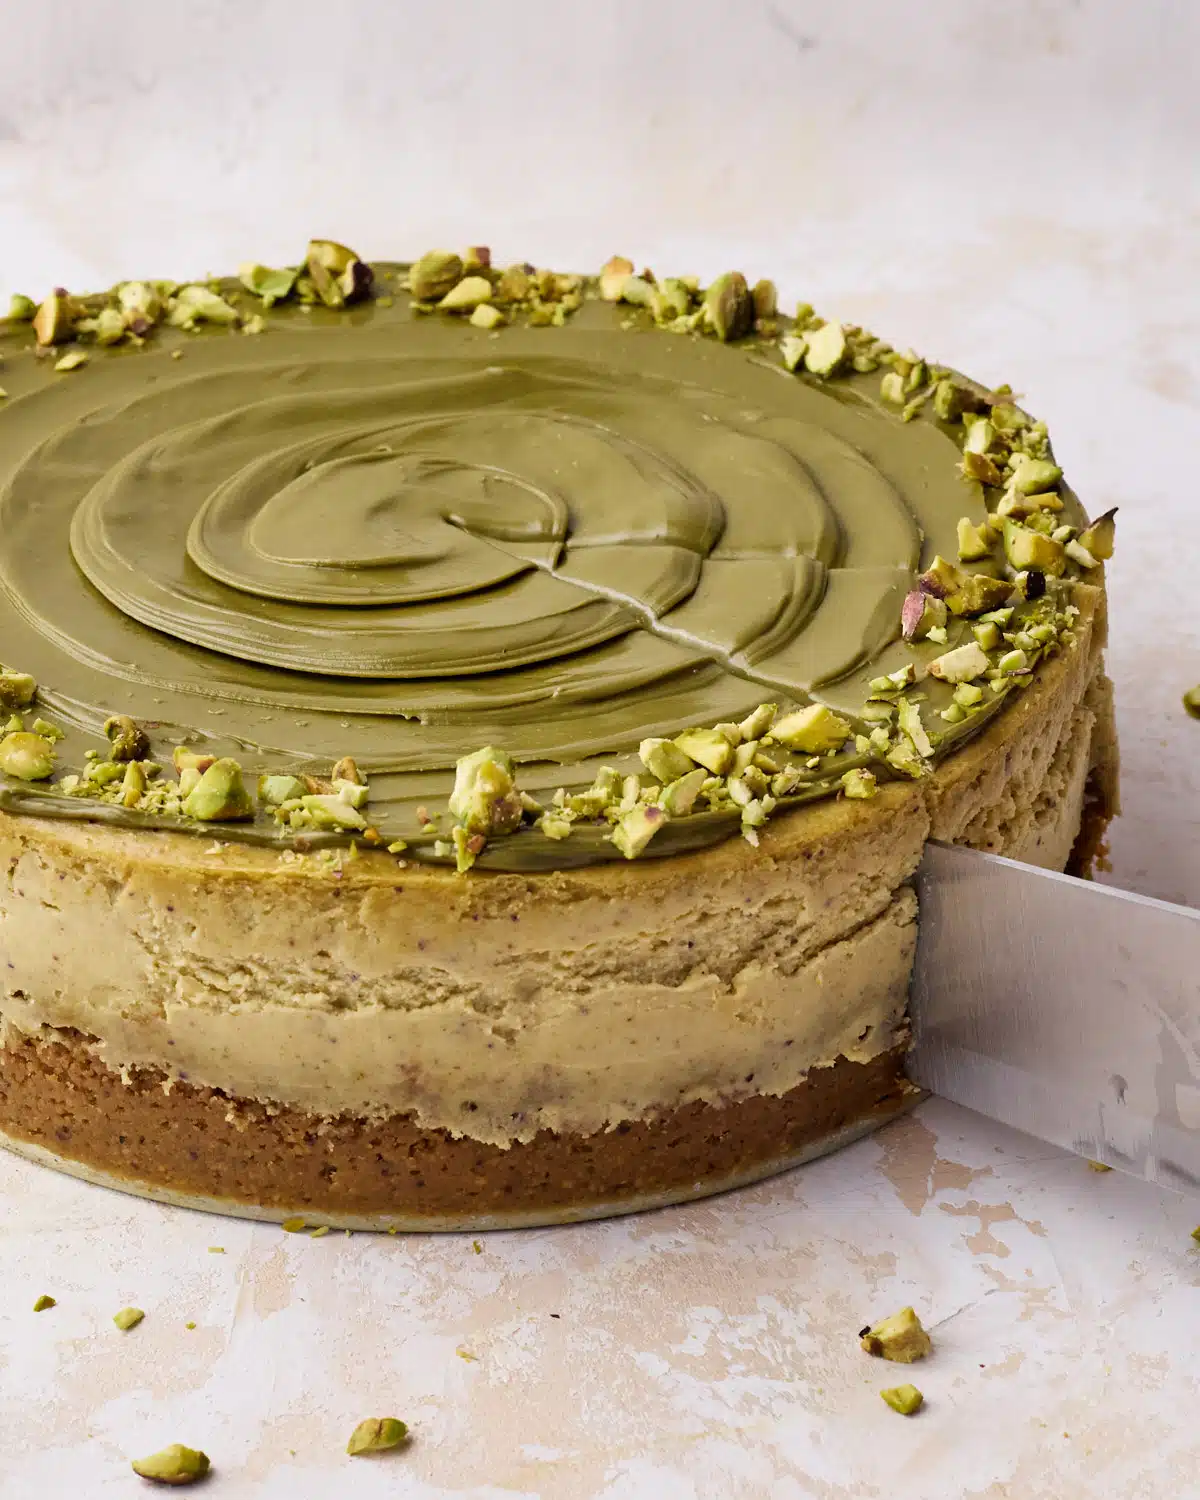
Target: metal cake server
(1063, 1008)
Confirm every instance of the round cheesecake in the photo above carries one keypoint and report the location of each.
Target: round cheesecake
(471, 733)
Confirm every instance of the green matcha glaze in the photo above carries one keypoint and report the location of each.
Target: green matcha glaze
(399, 537)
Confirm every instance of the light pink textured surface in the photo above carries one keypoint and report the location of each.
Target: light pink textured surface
(1016, 196)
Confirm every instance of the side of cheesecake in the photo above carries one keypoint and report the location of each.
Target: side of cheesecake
(625, 957)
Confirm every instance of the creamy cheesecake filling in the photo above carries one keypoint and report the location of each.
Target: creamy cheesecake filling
(502, 1006)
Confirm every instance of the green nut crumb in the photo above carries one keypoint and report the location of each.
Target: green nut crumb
(859, 784)
(276, 790)
(220, 795)
(960, 665)
(729, 306)
(825, 349)
(905, 1399)
(974, 542)
(900, 1338)
(706, 747)
(1098, 1166)
(812, 730)
(21, 309)
(294, 1225)
(28, 757)
(74, 360)
(199, 304)
(434, 275)
(664, 760)
(270, 285)
(128, 1317)
(173, 1465)
(486, 316)
(126, 739)
(17, 689)
(377, 1435)
(1196, 1234)
(1191, 702)
(52, 323)
(467, 295)
(44, 1302)
(636, 828)
(485, 798)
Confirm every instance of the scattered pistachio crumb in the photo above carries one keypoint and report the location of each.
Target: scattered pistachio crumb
(294, 1225)
(173, 1465)
(1191, 702)
(466, 1354)
(900, 1338)
(189, 1325)
(477, 1247)
(905, 1399)
(128, 1317)
(1099, 1166)
(216, 1249)
(319, 1232)
(43, 1302)
(377, 1435)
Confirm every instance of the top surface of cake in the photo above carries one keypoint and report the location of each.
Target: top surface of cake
(618, 529)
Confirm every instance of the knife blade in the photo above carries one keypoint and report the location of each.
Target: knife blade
(1063, 1008)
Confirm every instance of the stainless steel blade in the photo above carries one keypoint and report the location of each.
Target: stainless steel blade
(1066, 1009)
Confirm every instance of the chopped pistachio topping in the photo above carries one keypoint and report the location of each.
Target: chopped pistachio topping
(127, 741)
(664, 760)
(199, 304)
(613, 276)
(974, 542)
(44, 1302)
(636, 828)
(377, 1435)
(219, 795)
(859, 784)
(173, 1465)
(812, 730)
(435, 274)
(960, 665)
(905, 1399)
(485, 799)
(729, 306)
(21, 309)
(467, 295)
(128, 1317)
(900, 1338)
(74, 360)
(28, 757)
(825, 349)
(708, 748)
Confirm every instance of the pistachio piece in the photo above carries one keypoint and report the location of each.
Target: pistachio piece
(128, 1317)
(220, 796)
(678, 798)
(859, 784)
(486, 316)
(74, 359)
(951, 399)
(812, 730)
(900, 1338)
(670, 300)
(476, 258)
(133, 784)
(1012, 661)
(1191, 702)
(126, 739)
(977, 593)
(729, 306)
(636, 828)
(107, 327)
(920, 614)
(974, 542)
(329, 255)
(16, 689)
(184, 759)
(1025, 548)
(44, 1302)
(980, 467)
(467, 295)
(276, 790)
(1100, 536)
(905, 1399)
(1006, 417)
(140, 303)
(270, 285)
(1079, 554)
(791, 348)
(765, 297)
(21, 309)
(664, 760)
(485, 798)
(330, 811)
(356, 281)
(377, 1435)
(825, 349)
(960, 665)
(54, 318)
(891, 388)
(941, 579)
(613, 275)
(708, 748)
(353, 792)
(1034, 476)
(908, 715)
(28, 757)
(198, 304)
(755, 725)
(434, 274)
(173, 1465)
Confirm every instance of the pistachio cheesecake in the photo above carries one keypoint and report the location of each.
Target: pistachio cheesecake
(471, 732)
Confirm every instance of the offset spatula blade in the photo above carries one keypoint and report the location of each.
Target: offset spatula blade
(1066, 1009)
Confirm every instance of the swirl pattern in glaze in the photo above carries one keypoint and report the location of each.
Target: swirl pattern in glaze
(400, 538)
